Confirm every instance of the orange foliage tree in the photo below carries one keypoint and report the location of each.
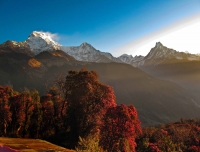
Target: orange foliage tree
(121, 127)
(5, 113)
(88, 100)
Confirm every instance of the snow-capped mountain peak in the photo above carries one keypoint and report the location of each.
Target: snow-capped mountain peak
(158, 44)
(38, 42)
(86, 46)
(158, 54)
(41, 41)
(86, 52)
(160, 51)
(126, 55)
(126, 58)
(129, 59)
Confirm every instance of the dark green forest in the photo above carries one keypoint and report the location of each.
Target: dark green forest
(81, 113)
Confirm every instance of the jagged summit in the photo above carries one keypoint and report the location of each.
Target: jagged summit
(38, 42)
(13, 46)
(126, 58)
(86, 52)
(162, 52)
(156, 55)
(44, 35)
(129, 59)
(126, 55)
(86, 44)
(158, 44)
(41, 41)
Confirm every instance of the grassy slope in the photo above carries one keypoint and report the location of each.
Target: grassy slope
(30, 145)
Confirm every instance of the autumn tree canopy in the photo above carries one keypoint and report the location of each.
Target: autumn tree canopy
(88, 100)
(78, 112)
(81, 112)
(120, 128)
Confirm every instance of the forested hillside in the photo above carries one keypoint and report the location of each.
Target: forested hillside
(81, 113)
(183, 135)
(77, 110)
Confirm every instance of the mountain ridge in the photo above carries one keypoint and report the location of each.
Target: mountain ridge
(160, 53)
(42, 41)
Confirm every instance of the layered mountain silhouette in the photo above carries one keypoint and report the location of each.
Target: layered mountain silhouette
(157, 100)
(178, 67)
(164, 63)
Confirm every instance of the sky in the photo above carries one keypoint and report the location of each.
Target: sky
(117, 26)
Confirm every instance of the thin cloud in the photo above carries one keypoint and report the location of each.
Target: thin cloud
(53, 36)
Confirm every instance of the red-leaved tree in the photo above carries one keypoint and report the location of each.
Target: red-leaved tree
(88, 101)
(17, 107)
(121, 127)
(5, 113)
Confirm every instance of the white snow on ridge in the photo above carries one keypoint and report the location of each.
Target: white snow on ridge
(129, 59)
(160, 51)
(86, 52)
(126, 58)
(19, 44)
(43, 41)
(40, 41)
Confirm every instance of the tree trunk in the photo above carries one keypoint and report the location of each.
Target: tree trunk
(17, 132)
(5, 127)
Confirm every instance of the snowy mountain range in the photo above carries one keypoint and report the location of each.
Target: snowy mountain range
(38, 42)
(86, 52)
(164, 77)
(157, 54)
